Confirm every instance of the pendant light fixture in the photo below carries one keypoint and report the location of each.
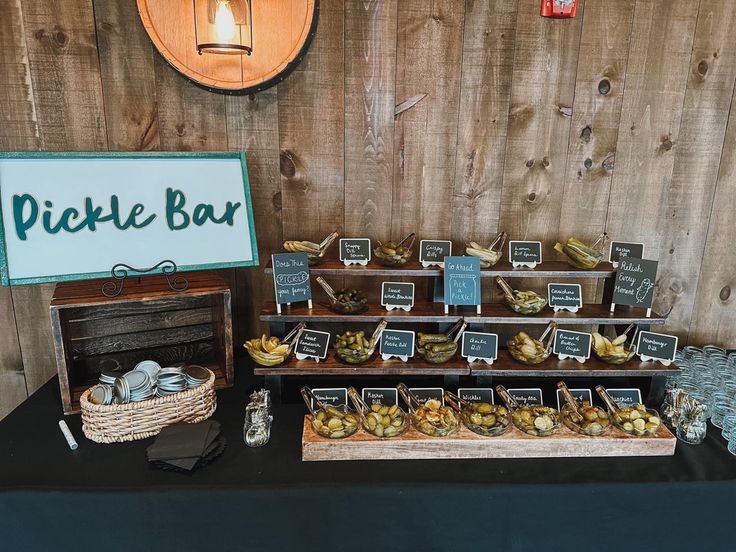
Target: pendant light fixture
(223, 27)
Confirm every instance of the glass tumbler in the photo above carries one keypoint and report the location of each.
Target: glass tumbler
(691, 429)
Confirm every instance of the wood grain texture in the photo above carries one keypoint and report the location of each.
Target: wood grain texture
(129, 85)
(252, 127)
(545, 61)
(485, 93)
(429, 52)
(413, 445)
(370, 71)
(710, 86)
(311, 134)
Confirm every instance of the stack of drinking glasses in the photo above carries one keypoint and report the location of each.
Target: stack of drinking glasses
(708, 377)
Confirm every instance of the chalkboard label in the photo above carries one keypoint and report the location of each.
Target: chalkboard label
(312, 344)
(291, 277)
(388, 396)
(423, 394)
(355, 250)
(565, 296)
(656, 346)
(433, 252)
(331, 397)
(625, 397)
(476, 395)
(635, 279)
(620, 250)
(479, 345)
(580, 395)
(570, 344)
(397, 343)
(397, 295)
(462, 281)
(527, 396)
(525, 253)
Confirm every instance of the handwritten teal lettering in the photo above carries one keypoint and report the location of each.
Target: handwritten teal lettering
(23, 224)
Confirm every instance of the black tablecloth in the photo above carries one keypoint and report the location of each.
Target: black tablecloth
(105, 497)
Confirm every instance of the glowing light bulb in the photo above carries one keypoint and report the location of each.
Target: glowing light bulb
(225, 28)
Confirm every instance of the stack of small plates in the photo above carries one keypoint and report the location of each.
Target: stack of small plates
(171, 380)
(196, 375)
(101, 394)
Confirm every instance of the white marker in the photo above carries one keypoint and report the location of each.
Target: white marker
(68, 435)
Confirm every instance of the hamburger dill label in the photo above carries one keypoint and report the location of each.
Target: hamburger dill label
(331, 397)
(656, 346)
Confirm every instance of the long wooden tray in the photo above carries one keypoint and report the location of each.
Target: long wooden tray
(413, 445)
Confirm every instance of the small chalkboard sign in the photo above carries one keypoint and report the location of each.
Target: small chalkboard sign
(423, 394)
(580, 395)
(397, 343)
(527, 396)
(476, 394)
(312, 344)
(525, 253)
(620, 250)
(570, 344)
(565, 297)
(331, 397)
(397, 295)
(625, 397)
(433, 252)
(291, 279)
(355, 251)
(479, 346)
(388, 396)
(656, 346)
(462, 281)
(634, 285)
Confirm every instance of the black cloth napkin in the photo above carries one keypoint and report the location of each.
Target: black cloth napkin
(186, 447)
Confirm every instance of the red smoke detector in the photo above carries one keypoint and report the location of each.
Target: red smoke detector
(559, 8)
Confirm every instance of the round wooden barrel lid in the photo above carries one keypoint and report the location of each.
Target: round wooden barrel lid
(282, 32)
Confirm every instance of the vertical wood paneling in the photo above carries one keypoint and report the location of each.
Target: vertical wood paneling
(129, 85)
(18, 130)
(370, 72)
(710, 88)
(545, 60)
(311, 134)
(429, 53)
(487, 67)
(252, 126)
(62, 52)
(601, 73)
(661, 43)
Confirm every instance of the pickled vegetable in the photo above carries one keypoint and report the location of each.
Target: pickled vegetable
(335, 423)
(490, 255)
(435, 420)
(540, 421)
(612, 352)
(594, 422)
(354, 347)
(523, 302)
(527, 350)
(583, 256)
(485, 418)
(393, 253)
(385, 421)
(637, 420)
(349, 301)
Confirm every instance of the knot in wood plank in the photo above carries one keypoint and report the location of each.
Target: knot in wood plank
(604, 86)
(725, 293)
(585, 134)
(703, 68)
(286, 164)
(609, 162)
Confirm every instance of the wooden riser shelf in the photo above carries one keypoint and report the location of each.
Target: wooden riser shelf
(548, 269)
(491, 313)
(504, 366)
(413, 445)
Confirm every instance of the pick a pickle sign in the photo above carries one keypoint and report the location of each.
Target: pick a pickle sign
(655, 346)
(397, 295)
(624, 249)
(291, 279)
(527, 396)
(570, 344)
(525, 253)
(479, 346)
(433, 252)
(387, 396)
(567, 297)
(331, 397)
(396, 344)
(73, 216)
(355, 251)
(312, 344)
(462, 282)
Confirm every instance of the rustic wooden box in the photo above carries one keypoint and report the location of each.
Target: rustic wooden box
(146, 321)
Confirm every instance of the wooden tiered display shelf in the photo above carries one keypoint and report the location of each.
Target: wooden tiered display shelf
(413, 445)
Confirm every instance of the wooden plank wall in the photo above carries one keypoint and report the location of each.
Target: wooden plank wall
(619, 120)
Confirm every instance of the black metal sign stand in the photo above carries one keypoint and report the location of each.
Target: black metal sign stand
(121, 271)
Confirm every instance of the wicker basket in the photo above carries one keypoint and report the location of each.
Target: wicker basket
(118, 423)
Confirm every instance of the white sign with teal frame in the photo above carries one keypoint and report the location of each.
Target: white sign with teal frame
(73, 216)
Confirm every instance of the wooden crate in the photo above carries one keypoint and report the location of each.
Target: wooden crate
(413, 445)
(146, 321)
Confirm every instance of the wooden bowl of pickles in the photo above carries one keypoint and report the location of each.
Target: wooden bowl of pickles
(486, 419)
(331, 422)
(380, 420)
(431, 418)
(393, 253)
